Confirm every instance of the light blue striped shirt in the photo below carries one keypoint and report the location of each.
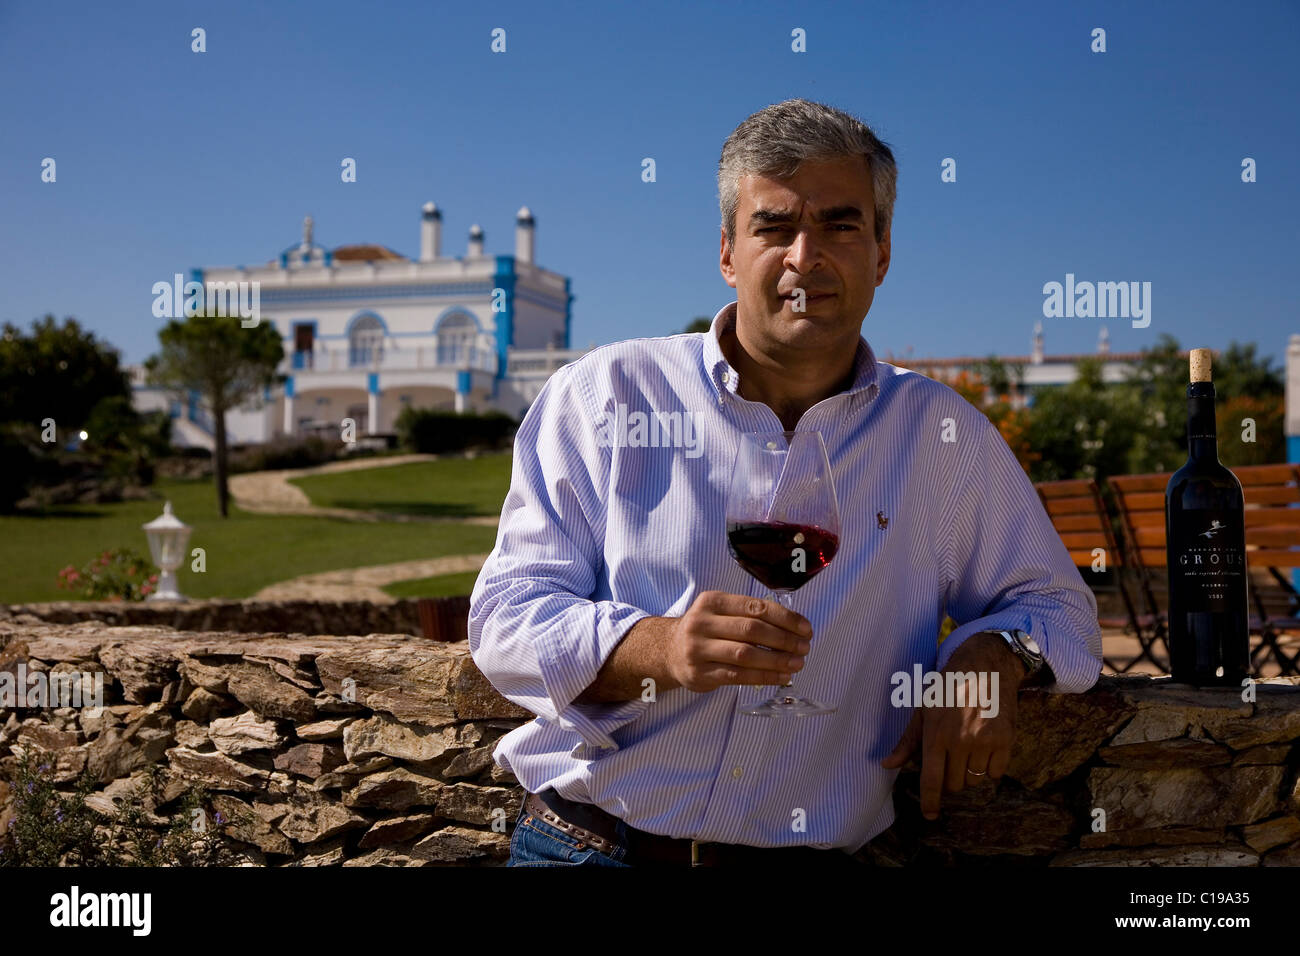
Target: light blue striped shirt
(604, 526)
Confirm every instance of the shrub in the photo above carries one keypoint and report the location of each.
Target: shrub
(284, 453)
(50, 828)
(119, 574)
(432, 431)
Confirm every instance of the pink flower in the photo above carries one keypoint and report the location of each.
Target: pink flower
(153, 579)
(73, 576)
(145, 588)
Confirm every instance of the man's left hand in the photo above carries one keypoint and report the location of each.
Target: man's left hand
(958, 746)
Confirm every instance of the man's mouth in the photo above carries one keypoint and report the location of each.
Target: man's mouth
(810, 297)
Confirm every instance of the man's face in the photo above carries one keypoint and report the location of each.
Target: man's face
(813, 231)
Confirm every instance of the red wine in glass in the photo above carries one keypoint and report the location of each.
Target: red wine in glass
(764, 549)
(783, 522)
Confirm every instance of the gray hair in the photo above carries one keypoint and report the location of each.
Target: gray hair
(776, 139)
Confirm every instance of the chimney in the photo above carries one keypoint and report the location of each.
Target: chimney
(1037, 356)
(430, 233)
(525, 235)
(475, 241)
(1103, 341)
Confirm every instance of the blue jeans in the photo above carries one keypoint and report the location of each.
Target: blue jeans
(537, 843)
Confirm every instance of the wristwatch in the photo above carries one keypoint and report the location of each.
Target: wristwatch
(1025, 648)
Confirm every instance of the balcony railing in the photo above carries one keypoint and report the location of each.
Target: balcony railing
(387, 360)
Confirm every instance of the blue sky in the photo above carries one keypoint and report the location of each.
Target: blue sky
(1115, 166)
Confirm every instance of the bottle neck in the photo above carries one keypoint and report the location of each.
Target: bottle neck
(1202, 440)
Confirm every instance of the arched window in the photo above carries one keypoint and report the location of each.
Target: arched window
(457, 337)
(366, 341)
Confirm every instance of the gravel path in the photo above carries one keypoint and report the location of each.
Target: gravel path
(270, 492)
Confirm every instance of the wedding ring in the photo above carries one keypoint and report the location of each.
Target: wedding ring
(977, 773)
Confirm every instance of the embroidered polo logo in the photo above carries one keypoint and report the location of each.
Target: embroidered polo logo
(881, 521)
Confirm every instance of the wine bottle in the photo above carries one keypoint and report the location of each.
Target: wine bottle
(1209, 628)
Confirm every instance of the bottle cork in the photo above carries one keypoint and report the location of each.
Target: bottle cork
(1200, 359)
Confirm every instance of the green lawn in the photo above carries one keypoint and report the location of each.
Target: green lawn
(449, 487)
(245, 552)
(444, 585)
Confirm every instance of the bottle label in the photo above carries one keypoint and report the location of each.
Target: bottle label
(1209, 559)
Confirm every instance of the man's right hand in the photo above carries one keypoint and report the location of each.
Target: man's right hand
(728, 638)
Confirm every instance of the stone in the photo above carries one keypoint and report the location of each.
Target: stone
(1276, 718)
(245, 732)
(397, 830)
(460, 844)
(1152, 724)
(1263, 754)
(258, 688)
(1272, 833)
(45, 737)
(1160, 856)
(323, 729)
(421, 682)
(143, 668)
(105, 802)
(1161, 754)
(1208, 797)
(993, 823)
(1173, 836)
(310, 760)
(311, 819)
(217, 771)
(1068, 730)
(395, 789)
(388, 856)
(501, 775)
(1287, 856)
(205, 676)
(202, 704)
(348, 774)
(473, 804)
(189, 734)
(330, 853)
(383, 735)
(471, 763)
(142, 740)
(244, 824)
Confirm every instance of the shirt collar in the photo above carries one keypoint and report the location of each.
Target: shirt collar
(726, 379)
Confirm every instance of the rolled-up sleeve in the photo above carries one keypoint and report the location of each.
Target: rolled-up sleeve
(534, 631)
(1007, 568)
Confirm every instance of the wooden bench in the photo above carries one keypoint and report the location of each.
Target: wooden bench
(1081, 518)
(445, 618)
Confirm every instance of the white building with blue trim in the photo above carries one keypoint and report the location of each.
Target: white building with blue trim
(368, 332)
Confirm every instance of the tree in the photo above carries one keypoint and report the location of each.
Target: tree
(1085, 429)
(224, 362)
(59, 372)
(701, 323)
(1244, 386)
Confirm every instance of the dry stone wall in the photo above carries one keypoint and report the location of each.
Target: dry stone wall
(376, 749)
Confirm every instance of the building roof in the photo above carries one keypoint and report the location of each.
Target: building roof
(366, 252)
(1062, 359)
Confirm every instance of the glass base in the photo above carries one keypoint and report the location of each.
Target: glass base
(787, 706)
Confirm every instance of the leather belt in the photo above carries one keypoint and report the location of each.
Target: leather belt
(592, 826)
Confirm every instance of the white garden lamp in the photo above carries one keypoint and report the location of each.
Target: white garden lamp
(167, 536)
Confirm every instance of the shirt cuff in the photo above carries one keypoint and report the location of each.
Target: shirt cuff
(1066, 651)
(569, 663)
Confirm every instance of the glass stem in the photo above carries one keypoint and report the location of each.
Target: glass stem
(783, 599)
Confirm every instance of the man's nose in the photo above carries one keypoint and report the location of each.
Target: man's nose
(805, 251)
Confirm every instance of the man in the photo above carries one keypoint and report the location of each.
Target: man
(611, 608)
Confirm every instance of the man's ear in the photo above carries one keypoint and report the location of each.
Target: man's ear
(724, 260)
(883, 256)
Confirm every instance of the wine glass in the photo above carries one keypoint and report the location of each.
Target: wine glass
(783, 526)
